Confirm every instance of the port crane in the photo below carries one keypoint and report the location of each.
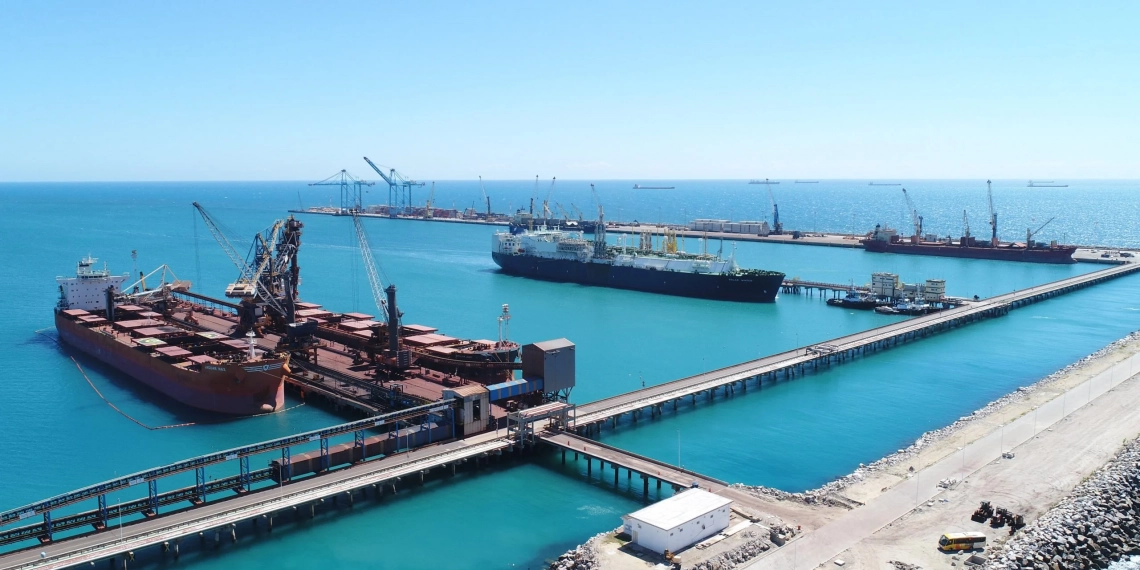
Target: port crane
(429, 208)
(384, 297)
(399, 189)
(269, 274)
(486, 198)
(993, 216)
(777, 227)
(546, 213)
(1029, 234)
(350, 189)
(534, 195)
(966, 225)
(914, 217)
(600, 232)
(577, 211)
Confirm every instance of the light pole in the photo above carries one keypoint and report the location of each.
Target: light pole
(963, 450)
(917, 483)
(678, 448)
(1035, 420)
(1002, 438)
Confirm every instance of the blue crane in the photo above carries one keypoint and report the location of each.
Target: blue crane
(350, 193)
(399, 189)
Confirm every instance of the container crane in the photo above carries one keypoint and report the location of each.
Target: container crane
(384, 297)
(777, 227)
(399, 189)
(486, 198)
(1029, 234)
(914, 218)
(350, 189)
(993, 216)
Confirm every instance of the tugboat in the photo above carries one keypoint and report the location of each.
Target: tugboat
(856, 300)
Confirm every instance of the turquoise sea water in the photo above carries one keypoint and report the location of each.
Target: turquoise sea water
(793, 436)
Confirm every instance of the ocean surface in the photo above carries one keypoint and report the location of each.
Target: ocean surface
(797, 435)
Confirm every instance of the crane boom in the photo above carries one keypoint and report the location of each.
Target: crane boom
(777, 227)
(380, 172)
(993, 215)
(600, 231)
(914, 217)
(374, 282)
(1030, 233)
(224, 242)
(486, 198)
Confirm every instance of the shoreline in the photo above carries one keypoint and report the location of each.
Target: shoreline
(869, 481)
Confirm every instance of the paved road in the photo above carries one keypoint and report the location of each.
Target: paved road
(213, 515)
(818, 547)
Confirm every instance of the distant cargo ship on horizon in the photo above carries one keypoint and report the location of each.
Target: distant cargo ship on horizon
(640, 187)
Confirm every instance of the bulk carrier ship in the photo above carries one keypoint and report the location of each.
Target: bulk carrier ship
(887, 240)
(556, 255)
(134, 334)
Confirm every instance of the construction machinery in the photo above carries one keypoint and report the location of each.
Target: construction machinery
(350, 190)
(915, 219)
(399, 189)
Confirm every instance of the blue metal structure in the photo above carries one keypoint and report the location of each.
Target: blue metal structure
(506, 390)
(202, 488)
(350, 189)
(399, 189)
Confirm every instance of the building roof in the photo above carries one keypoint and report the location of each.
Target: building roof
(680, 509)
(554, 344)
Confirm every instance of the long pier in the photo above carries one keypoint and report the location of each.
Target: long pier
(243, 502)
(587, 418)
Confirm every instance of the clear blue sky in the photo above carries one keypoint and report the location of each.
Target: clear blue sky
(577, 90)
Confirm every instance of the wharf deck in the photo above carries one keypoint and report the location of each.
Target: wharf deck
(795, 361)
(221, 514)
(619, 458)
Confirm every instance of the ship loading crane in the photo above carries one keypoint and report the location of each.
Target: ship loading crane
(966, 228)
(269, 276)
(399, 189)
(993, 216)
(486, 198)
(1029, 234)
(429, 207)
(385, 299)
(914, 218)
(350, 189)
(546, 213)
(777, 227)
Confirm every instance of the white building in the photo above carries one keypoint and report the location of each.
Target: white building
(679, 521)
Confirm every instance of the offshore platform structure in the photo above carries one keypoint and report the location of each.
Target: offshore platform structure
(399, 189)
(350, 190)
(269, 276)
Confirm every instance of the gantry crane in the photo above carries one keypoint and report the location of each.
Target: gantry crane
(399, 189)
(914, 218)
(350, 189)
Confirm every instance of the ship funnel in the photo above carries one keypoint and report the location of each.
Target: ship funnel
(110, 299)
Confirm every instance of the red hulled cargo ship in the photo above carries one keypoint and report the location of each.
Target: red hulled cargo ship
(886, 240)
(203, 369)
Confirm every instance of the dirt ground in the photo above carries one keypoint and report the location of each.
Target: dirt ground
(1043, 471)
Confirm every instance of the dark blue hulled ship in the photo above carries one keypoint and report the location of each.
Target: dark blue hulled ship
(566, 256)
